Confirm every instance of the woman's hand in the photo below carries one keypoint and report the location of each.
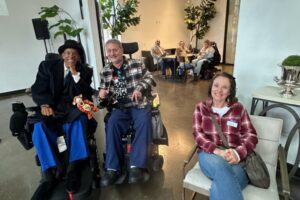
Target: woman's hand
(231, 157)
(220, 152)
(228, 155)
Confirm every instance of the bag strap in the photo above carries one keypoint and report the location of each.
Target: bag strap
(219, 130)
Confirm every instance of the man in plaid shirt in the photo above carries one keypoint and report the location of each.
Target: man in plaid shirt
(130, 82)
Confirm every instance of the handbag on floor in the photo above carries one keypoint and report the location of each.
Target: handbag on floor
(254, 165)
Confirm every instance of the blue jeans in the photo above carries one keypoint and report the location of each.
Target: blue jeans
(228, 181)
(118, 125)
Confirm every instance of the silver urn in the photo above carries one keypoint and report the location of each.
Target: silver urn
(289, 80)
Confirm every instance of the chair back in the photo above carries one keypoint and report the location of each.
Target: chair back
(217, 56)
(52, 56)
(130, 48)
(268, 133)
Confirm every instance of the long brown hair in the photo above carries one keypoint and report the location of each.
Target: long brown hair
(231, 98)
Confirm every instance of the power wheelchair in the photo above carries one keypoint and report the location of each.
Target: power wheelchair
(159, 137)
(22, 124)
(208, 69)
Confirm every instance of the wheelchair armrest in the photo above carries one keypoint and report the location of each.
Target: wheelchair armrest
(284, 173)
(189, 158)
(33, 109)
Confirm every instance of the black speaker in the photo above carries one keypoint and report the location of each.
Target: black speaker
(41, 29)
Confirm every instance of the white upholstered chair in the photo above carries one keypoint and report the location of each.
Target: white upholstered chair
(268, 132)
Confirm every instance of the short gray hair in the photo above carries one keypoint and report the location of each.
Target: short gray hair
(114, 41)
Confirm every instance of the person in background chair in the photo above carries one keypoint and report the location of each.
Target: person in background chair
(57, 82)
(158, 53)
(223, 166)
(182, 57)
(130, 82)
(206, 53)
(181, 53)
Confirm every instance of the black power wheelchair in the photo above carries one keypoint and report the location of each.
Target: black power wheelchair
(21, 125)
(159, 137)
(208, 69)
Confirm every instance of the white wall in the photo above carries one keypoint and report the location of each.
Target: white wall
(268, 31)
(160, 19)
(21, 53)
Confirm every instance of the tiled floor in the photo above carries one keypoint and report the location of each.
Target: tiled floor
(19, 176)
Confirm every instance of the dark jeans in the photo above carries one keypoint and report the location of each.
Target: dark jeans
(117, 125)
(166, 63)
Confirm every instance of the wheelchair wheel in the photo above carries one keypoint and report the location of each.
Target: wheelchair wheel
(157, 163)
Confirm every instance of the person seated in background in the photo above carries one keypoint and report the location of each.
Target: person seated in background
(206, 52)
(158, 53)
(130, 82)
(221, 165)
(182, 57)
(57, 82)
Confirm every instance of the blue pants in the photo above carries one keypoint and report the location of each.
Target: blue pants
(45, 144)
(163, 65)
(117, 125)
(228, 181)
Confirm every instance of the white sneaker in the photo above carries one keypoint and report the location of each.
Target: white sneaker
(191, 72)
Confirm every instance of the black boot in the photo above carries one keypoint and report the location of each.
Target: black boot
(46, 186)
(110, 177)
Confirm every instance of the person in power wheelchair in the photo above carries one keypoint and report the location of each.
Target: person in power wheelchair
(62, 126)
(128, 80)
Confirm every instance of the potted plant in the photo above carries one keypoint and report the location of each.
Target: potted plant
(291, 62)
(117, 18)
(289, 75)
(291, 68)
(197, 18)
(65, 24)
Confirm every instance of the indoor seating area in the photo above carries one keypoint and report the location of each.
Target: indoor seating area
(250, 41)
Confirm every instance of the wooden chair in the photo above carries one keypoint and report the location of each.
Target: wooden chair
(268, 132)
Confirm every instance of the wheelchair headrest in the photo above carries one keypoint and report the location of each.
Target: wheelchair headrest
(52, 56)
(130, 48)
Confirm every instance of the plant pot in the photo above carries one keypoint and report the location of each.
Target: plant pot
(291, 74)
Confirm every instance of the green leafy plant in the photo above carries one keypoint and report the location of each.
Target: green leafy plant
(65, 24)
(117, 18)
(293, 60)
(197, 18)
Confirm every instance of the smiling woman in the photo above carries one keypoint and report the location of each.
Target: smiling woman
(223, 165)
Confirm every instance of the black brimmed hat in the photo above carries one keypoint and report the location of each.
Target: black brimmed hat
(73, 45)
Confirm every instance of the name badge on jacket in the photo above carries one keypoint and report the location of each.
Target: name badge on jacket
(232, 123)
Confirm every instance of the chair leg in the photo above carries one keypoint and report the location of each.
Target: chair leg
(194, 195)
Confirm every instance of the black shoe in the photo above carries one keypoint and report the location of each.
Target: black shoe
(110, 177)
(138, 175)
(46, 186)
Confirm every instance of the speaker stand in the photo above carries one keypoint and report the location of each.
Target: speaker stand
(45, 46)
